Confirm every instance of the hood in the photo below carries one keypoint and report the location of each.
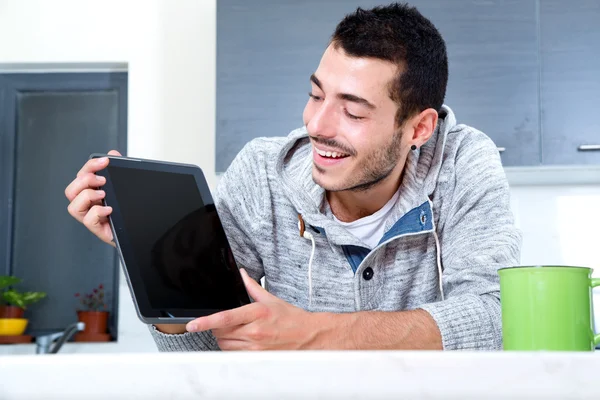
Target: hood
(294, 170)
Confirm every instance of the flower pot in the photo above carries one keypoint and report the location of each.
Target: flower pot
(95, 321)
(11, 312)
(12, 326)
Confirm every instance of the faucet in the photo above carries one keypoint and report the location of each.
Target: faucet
(51, 343)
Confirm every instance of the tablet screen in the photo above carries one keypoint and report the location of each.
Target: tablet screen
(177, 248)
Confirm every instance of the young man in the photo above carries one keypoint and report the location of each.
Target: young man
(380, 224)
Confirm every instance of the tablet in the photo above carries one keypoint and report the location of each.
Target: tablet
(173, 248)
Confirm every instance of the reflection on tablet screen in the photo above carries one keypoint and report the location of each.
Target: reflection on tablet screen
(180, 249)
(193, 264)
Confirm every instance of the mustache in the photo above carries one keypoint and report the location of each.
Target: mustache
(332, 143)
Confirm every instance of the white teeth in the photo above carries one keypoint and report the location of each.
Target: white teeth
(330, 154)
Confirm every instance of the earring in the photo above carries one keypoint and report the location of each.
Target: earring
(413, 147)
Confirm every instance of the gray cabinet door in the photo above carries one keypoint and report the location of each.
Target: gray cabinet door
(267, 49)
(494, 69)
(266, 52)
(570, 81)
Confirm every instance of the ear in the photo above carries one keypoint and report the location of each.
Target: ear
(423, 126)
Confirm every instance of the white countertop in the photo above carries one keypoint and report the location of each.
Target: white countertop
(296, 375)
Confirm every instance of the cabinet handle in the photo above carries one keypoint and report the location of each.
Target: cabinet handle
(501, 149)
(589, 147)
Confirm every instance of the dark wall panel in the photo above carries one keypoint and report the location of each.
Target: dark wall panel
(56, 121)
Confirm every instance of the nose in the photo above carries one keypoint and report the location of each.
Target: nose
(322, 122)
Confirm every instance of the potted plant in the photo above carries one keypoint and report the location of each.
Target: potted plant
(13, 302)
(93, 312)
(12, 307)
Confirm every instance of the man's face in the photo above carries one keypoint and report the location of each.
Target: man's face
(350, 119)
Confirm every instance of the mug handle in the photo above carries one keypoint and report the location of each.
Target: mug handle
(596, 282)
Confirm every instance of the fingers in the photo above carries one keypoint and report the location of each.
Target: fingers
(224, 319)
(96, 164)
(96, 220)
(255, 290)
(231, 333)
(86, 200)
(242, 337)
(82, 182)
(250, 333)
(233, 345)
(92, 166)
(82, 204)
(87, 178)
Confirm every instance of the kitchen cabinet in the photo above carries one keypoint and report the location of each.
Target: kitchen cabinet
(570, 82)
(267, 50)
(493, 82)
(524, 72)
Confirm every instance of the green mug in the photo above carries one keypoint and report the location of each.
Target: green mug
(547, 308)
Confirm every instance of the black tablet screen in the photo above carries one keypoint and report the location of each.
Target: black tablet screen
(180, 251)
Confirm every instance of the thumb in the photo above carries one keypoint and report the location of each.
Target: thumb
(255, 290)
(114, 153)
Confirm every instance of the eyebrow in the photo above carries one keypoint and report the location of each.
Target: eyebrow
(345, 96)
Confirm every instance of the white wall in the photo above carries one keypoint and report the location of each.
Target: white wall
(560, 224)
(169, 46)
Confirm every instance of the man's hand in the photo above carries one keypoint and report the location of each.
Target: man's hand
(267, 324)
(86, 200)
(272, 324)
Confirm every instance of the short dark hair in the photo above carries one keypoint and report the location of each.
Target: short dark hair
(401, 34)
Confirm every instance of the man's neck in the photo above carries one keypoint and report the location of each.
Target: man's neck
(349, 206)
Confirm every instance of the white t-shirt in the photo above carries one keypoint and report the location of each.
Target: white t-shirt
(370, 229)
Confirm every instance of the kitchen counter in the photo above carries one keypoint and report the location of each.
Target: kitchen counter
(296, 375)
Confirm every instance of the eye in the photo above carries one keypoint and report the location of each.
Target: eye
(315, 98)
(352, 116)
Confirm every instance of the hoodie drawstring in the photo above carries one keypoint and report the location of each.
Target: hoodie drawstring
(307, 235)
(439, 263)
(437, 251)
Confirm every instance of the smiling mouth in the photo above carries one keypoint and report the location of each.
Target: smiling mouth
(331, 154)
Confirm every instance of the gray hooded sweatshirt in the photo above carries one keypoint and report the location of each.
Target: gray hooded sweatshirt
(449, 232)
